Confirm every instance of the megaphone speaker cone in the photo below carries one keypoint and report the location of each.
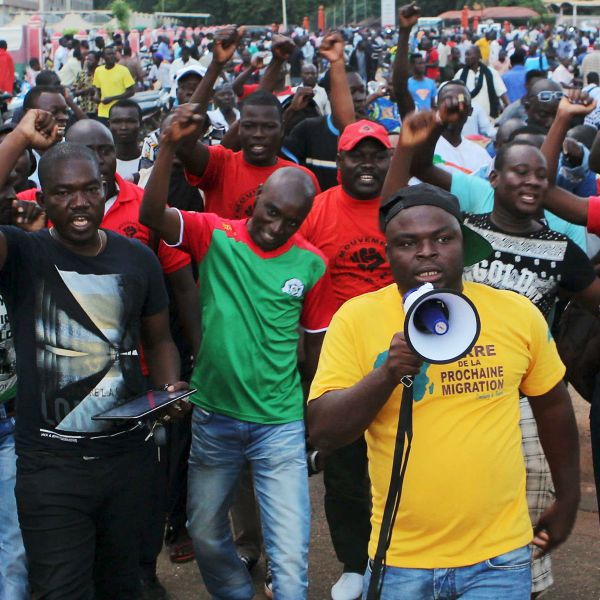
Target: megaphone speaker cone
(441, 325)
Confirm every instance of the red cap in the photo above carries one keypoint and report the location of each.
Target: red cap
(360, 130)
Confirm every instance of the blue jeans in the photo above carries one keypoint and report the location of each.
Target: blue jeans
(507, 576)
(13, 566)
(220, 446)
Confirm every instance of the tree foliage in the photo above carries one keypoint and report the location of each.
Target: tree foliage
(122, 12)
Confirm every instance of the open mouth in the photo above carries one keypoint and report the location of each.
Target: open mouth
(80, 222)
(366, 179)
(430, 276)
(528, 198)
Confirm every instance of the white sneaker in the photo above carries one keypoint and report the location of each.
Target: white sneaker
(348, 587)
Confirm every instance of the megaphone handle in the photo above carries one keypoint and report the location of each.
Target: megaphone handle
(392, 502)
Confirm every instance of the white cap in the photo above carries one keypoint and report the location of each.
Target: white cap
(195, 69)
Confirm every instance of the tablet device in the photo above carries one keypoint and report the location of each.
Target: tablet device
(143, 405)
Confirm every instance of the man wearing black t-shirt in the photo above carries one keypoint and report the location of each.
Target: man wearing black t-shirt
(80, 300)
(313, 142)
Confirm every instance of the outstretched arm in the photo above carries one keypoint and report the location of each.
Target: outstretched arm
(407, 18)
(193, 154)
(452, 109)
(342, 106)
(37, 129)
(281, 49)
(238, 83)
(154, 212)
(415, 131)
(564, 204)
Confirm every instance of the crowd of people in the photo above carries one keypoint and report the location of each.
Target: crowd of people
(256, 249)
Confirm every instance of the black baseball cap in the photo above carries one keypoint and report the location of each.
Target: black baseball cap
(476, 247)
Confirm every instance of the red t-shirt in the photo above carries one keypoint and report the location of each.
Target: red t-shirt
(7, 72)
(433, 72)
(593, 220)
(229, 182)
(250, 88)
(123, 218)
(347, 231)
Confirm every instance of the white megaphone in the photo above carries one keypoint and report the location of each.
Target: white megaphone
(441, 325)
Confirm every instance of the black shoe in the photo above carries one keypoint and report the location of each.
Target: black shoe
(153, 589)
(249, 563)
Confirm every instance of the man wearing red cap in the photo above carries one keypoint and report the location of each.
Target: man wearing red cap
(343, 224)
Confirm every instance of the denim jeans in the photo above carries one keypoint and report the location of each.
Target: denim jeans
(220, 446)
(13, 566)
(507, 576)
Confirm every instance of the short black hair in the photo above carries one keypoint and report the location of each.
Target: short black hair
(262, 98)
(35, 92)
(47, 77)
(126, 50)
(3, 45)
(68, 151)
(593, 77)
(518, 57)
(126, 103)
(503, 151)
(325, 81)
(585, 134)
(454, 83)
(534, 74)
(528, 129)
(413, 57)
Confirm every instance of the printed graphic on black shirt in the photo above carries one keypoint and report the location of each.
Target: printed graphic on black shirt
(8, 357)
(82, 358)
(533, 265)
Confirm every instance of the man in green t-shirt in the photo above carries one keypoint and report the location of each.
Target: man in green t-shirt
(259, 281)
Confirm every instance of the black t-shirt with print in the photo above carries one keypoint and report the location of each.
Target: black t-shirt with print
(313, 144)
(533, 265)
(76, 324)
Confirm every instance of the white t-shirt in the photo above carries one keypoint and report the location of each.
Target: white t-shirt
(562, 75)
(482, 99)
(127, 168)
(467, 157)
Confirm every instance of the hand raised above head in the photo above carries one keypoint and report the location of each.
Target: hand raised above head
(408, 15)
(282, 47)
(416, 128)
(186, 123)
(39, 129)
(332, 47)
(226, 42)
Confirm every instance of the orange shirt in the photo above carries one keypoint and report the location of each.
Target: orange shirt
(347, 231)
(229, 182)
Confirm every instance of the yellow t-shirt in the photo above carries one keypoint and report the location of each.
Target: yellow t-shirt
(463, 499)
(111, 82)
(484, 47)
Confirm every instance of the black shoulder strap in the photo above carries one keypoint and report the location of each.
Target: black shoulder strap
(399, 464)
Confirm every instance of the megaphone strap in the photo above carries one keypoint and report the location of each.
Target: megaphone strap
(392, 503)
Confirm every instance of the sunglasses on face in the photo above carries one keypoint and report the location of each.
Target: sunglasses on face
(547, 96)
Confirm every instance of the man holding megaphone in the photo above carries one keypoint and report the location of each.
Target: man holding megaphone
(457, 520)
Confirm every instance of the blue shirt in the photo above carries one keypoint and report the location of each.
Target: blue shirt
(514, 80)
(476, 195)
(423, 92)
(537, 62)
(385, 112)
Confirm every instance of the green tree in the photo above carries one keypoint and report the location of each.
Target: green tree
(122, 12)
